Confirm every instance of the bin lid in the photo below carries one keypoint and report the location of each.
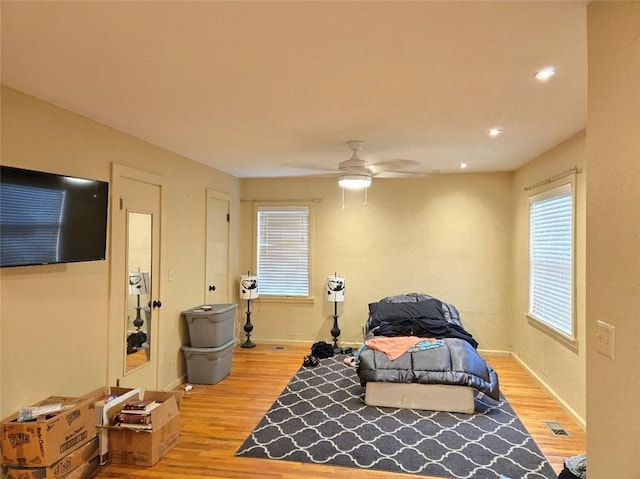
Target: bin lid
(189, 349)
(210, 308)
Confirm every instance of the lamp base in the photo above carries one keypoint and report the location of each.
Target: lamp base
(138, 322)
(335, 331)
(248, 327)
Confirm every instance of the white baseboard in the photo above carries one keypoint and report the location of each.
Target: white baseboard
(572, 412)
(287, 342)
(171, 386)
(299, 342)
(493, 352)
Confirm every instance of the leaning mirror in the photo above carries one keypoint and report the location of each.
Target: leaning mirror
(138, 338)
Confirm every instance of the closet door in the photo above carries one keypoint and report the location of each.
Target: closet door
(217, 254)
(135, 302)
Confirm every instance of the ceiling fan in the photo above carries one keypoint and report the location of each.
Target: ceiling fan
(355, 173)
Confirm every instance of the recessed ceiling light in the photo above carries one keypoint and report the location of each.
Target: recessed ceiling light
(464, 166)
(545, 73)
(495, 131)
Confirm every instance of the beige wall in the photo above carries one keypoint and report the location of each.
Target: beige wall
(559, 367)
(613, 237)
(445, 235)
(54, 319)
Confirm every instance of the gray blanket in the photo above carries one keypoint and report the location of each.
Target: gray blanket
(455, 363)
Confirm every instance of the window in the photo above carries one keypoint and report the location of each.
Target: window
(283, 250)
(551, 259)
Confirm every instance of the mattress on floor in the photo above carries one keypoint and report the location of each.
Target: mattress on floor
(434, 397)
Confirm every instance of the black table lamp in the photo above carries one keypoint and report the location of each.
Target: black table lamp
(335, 295)
(138, 285)
(248, 291)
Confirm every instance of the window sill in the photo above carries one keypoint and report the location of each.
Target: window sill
(288, 299)
(569, 342)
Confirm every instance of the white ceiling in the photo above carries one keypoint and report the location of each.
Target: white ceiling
(259, 89)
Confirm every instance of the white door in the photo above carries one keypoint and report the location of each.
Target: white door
(135, 278)
(217, 254)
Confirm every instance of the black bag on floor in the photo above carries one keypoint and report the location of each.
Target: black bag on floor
(322, 350)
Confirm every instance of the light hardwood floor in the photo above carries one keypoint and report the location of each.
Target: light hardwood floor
(136, 359)
(216, 419)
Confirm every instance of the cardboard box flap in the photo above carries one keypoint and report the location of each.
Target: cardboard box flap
(162, 415)
(162, 396)
(118, 391)
(67, 403)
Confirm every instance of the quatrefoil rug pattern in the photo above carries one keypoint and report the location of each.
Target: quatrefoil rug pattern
(321, 418)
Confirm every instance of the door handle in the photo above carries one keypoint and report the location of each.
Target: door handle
(212, 288)
(157, 304)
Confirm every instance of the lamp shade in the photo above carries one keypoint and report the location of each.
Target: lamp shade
(335, 288)
(248, 287)
(139, 282)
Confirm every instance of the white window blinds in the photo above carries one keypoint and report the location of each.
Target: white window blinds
(283, 250)
(551, 258)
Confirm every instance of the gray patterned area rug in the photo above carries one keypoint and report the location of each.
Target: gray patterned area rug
(321, 418)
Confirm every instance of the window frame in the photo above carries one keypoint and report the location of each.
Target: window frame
(309, 298)
(551, 191)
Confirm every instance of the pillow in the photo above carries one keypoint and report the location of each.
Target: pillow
(430, 308)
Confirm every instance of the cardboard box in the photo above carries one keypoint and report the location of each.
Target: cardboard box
(105, 411)
(139, 447)
(48, 439)
(85, 471)
(65, 468)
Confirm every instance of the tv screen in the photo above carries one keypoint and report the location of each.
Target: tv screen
(47, 218)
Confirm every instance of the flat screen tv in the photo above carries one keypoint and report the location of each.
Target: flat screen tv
(47, 218)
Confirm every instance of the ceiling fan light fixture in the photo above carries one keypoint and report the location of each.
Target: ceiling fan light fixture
(354, 181)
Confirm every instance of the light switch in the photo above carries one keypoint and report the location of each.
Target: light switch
(606, 339)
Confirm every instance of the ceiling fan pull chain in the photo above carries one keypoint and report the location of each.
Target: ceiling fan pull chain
(366, 198)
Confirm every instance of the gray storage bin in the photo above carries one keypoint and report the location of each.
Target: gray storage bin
(208, 365)
(210, 325)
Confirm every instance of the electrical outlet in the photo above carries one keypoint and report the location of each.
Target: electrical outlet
(606, 339)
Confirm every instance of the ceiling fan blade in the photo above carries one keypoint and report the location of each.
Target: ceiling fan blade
(309, 166)
(401, 174)
(390, 165)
